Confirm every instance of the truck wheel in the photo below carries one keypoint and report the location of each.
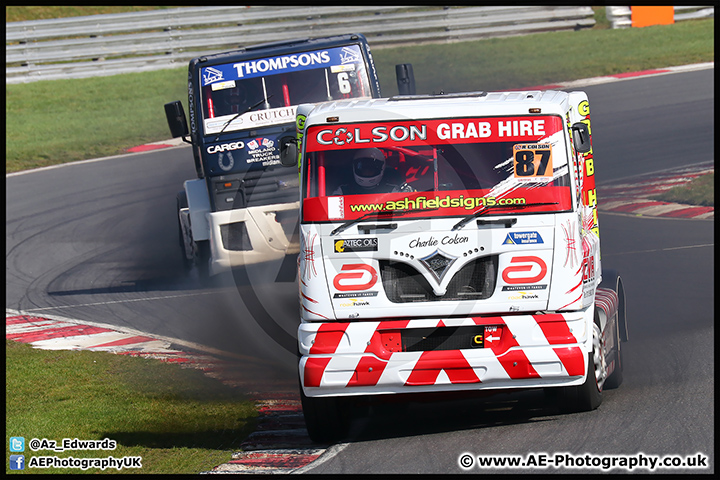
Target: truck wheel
(181, 201)
(588, 396)
(616, 377)
(324, 418)
(202, 260)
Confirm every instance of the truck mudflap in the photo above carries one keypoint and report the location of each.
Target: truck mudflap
(607, 301)
(400, 356)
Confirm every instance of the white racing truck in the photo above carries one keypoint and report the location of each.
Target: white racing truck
(450, 243)
(242, 209)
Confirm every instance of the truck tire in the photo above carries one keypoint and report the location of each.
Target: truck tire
(181, 201)
(325, 419)
(588, 396)
(616, 377)
(202, 260)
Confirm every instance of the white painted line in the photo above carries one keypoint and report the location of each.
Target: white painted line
(329, 454)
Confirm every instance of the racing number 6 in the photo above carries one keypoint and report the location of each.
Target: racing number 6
(344, 83)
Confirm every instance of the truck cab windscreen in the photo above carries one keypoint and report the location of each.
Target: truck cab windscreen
(433, 176)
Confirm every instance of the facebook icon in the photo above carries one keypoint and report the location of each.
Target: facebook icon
(17, 462)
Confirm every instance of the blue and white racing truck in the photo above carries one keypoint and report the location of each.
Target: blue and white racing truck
(242, 209)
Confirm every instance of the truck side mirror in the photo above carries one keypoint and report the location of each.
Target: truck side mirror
(288, 151)
(405, 79)
(581, 137)
(176, 119)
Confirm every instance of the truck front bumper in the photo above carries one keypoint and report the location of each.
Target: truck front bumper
(431, 355)
(249, 236)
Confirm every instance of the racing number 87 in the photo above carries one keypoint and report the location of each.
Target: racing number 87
(532, 160)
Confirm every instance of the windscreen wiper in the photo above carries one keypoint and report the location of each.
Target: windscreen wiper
(249, 109)
(389, 213)
(484, 209)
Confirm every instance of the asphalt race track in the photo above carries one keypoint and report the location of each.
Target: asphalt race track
(97, 241)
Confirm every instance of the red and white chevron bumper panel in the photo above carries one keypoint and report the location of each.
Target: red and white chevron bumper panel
(422, 355)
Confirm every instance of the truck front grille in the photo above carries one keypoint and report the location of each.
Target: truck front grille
(403, 283)
(255, 188)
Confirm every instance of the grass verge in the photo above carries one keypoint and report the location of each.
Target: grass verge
(700, 191)
(178, 420)
(59, 121)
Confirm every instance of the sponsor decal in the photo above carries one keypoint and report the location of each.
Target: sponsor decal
(345, 281)
(224, 147)
(285, 62)
(516, 274)
(272, 116)
(356, 245)
(354, 302)
(262, 67)
(433, 242)
(349, 54)
(531, 160)
(522, 238)
(223, 85)
(263, 118)
(454, 203)
(228, 164)
(342, 68)
(262, 150)
(524, 296)
(355, 294)
(211, 75)
(265, 142)
(516, 288)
